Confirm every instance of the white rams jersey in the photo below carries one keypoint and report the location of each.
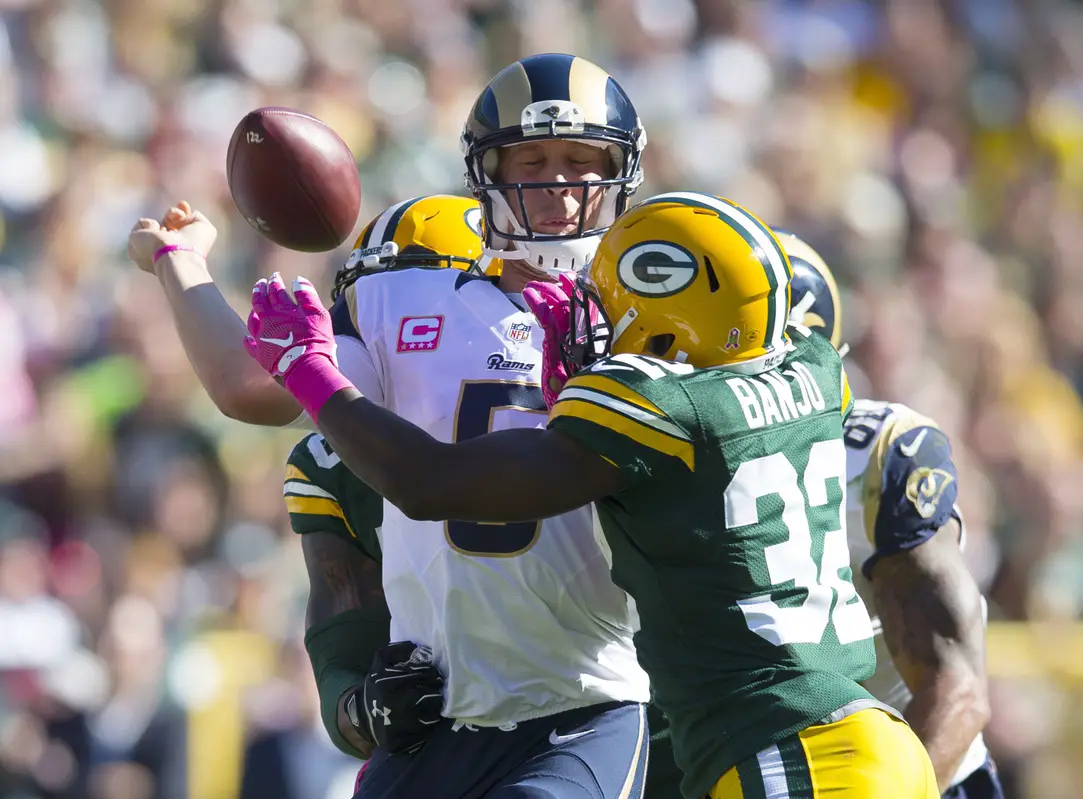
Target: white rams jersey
(900, 489)
(524, 619)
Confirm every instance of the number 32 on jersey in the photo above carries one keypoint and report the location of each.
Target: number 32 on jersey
(831, 596)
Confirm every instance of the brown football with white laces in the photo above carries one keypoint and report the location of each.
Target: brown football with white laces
(294, 179)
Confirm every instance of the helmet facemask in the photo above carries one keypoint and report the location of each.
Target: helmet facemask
(388, 256)
(509, 238)
(589, 331)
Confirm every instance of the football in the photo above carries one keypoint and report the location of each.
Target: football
(293, 179)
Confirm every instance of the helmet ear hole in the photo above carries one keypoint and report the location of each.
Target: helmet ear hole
(659, 345)
(712, 278)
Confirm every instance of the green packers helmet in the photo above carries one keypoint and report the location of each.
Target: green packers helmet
(551, 96)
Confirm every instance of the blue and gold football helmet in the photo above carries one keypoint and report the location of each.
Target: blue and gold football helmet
(551, 96)
(815, 293)
(436, 231)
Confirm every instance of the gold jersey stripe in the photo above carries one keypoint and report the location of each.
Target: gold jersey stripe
(296, 487)
(847, 396)
(632, 429)
(316, 506)
(661, 424)
(613, 388)
(293, 473)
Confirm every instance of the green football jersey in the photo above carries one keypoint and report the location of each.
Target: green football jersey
(322, 495)
(728, 532)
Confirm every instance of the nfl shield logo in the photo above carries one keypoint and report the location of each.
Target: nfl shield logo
(519, 331)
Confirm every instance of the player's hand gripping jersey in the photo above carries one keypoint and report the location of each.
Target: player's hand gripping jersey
(752, 629)
(901, 489)
(453, 354)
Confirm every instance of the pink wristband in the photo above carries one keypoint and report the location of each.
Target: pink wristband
(313, 381)
(174, 248)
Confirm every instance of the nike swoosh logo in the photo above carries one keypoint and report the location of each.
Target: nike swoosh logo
(556, 739)
(287, 359)
(912, 450)
(282, 342)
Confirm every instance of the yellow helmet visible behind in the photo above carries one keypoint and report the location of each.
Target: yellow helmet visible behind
(695, 278)
(435, 231)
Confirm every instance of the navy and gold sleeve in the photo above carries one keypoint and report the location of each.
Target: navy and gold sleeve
(629, 430)
(911, 484)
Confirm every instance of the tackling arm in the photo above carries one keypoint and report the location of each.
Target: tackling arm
(930, 608)
(347, 621)
(513, 475)
(932, 618)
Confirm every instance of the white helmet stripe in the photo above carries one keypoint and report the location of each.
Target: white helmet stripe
(379, 229)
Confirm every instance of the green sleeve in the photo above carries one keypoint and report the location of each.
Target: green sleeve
(322, 495)
(341, 650)
(630, 416)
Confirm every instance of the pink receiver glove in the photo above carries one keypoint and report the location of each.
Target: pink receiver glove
(551, 307)
(295, 341)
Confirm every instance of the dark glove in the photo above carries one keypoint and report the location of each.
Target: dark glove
(399, 705)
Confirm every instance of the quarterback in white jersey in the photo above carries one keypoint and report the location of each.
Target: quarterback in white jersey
(456, 355)
(905, 536)
(557, 142)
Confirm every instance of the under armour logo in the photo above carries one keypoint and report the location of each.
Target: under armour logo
(379, 711)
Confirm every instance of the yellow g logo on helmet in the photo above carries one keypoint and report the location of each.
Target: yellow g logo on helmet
(695, 278)
(657, 269)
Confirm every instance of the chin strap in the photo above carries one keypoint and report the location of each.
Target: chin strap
(552, 257)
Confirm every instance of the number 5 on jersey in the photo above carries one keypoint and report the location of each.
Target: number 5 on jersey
(478, 401)
(831, 597)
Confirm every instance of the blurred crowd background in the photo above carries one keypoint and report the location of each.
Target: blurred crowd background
(151, 592)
